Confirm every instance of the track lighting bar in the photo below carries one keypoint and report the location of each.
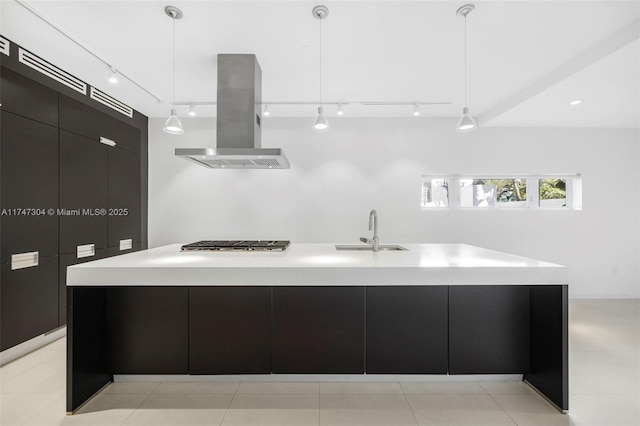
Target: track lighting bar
(85, 48)
(336, 103)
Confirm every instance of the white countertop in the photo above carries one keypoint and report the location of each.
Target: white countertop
(318, 264)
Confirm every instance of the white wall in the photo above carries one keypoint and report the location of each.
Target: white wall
(360, 164)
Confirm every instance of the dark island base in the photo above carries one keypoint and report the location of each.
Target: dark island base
(318, 330)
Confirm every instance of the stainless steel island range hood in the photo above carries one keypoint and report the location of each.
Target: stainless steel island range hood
(238, 120)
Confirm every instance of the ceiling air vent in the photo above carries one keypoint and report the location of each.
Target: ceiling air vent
(4, 46)
(51, 71)
(112, 103)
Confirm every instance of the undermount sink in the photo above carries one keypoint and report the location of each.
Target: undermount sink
(381, 247)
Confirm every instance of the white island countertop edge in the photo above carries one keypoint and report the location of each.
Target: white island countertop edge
(318, 264)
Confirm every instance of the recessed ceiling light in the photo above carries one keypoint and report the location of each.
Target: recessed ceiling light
(575, 102)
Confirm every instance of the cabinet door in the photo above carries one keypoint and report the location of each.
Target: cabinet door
(25, 97)
(230, 330)
(29, 162)
(318, 330)
(83, 185)
(29, 302)
(124, 196)
(148, 330)
(81, 119)
(407, 330)
(66, 260)
(488, 329)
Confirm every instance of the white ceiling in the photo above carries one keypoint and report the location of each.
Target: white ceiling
(527, 59)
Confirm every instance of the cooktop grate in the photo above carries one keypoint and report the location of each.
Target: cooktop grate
(236, 245)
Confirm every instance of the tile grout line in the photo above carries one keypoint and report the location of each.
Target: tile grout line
(502, 408)
(319, 398)
(134, 410)
(230, 402)
(409, 404)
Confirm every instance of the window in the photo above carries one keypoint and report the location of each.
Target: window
(560, 192)
(553, 192)
(435, 192)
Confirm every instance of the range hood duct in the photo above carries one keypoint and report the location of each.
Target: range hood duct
(239, 120)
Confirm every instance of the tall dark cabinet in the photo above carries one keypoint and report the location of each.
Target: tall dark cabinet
(83, 189)
(73, 189)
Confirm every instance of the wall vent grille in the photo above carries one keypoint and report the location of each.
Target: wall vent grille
(4, 46)
(51, 71)
(112, 103)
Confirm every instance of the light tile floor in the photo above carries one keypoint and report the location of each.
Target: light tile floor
(604, 371)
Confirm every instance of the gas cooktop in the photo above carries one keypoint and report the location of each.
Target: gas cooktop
(246, 245)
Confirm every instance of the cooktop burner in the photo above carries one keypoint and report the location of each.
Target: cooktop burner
(246, 245)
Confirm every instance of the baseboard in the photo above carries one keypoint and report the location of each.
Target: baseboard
(143, 378)
(31, 345)
(604, 296)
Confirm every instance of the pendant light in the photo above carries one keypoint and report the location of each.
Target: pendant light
(173, 124)
(321, 123)
(466, 122)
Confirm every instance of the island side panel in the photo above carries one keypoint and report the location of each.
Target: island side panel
(87, 365)
(549, 371)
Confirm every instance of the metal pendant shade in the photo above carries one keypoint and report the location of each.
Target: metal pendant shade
(173, 125)
(466, 122)
(321, 122)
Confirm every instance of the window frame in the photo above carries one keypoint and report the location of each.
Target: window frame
(573, 184)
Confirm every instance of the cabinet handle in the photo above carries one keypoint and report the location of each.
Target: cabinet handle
(86, 250)
(126, 244)
(24, 260)
(107, 141)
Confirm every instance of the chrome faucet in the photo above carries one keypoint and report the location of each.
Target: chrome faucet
(373, 224)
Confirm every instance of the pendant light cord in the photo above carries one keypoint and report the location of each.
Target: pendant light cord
(174, 63)
(465, 61)
(320, 62)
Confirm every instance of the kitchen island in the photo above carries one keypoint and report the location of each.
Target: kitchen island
(434, 309)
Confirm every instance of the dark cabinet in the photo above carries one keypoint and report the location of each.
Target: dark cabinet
(488, 329)
(57, 177)
(124, 193)
(29, 302)
(407, 330)
(318, 330)
(81, 119)
(116, 251)
(147, 330)
(230, 330)
(27, 98)
(66, 260)
(83, 192)
(29, 163)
